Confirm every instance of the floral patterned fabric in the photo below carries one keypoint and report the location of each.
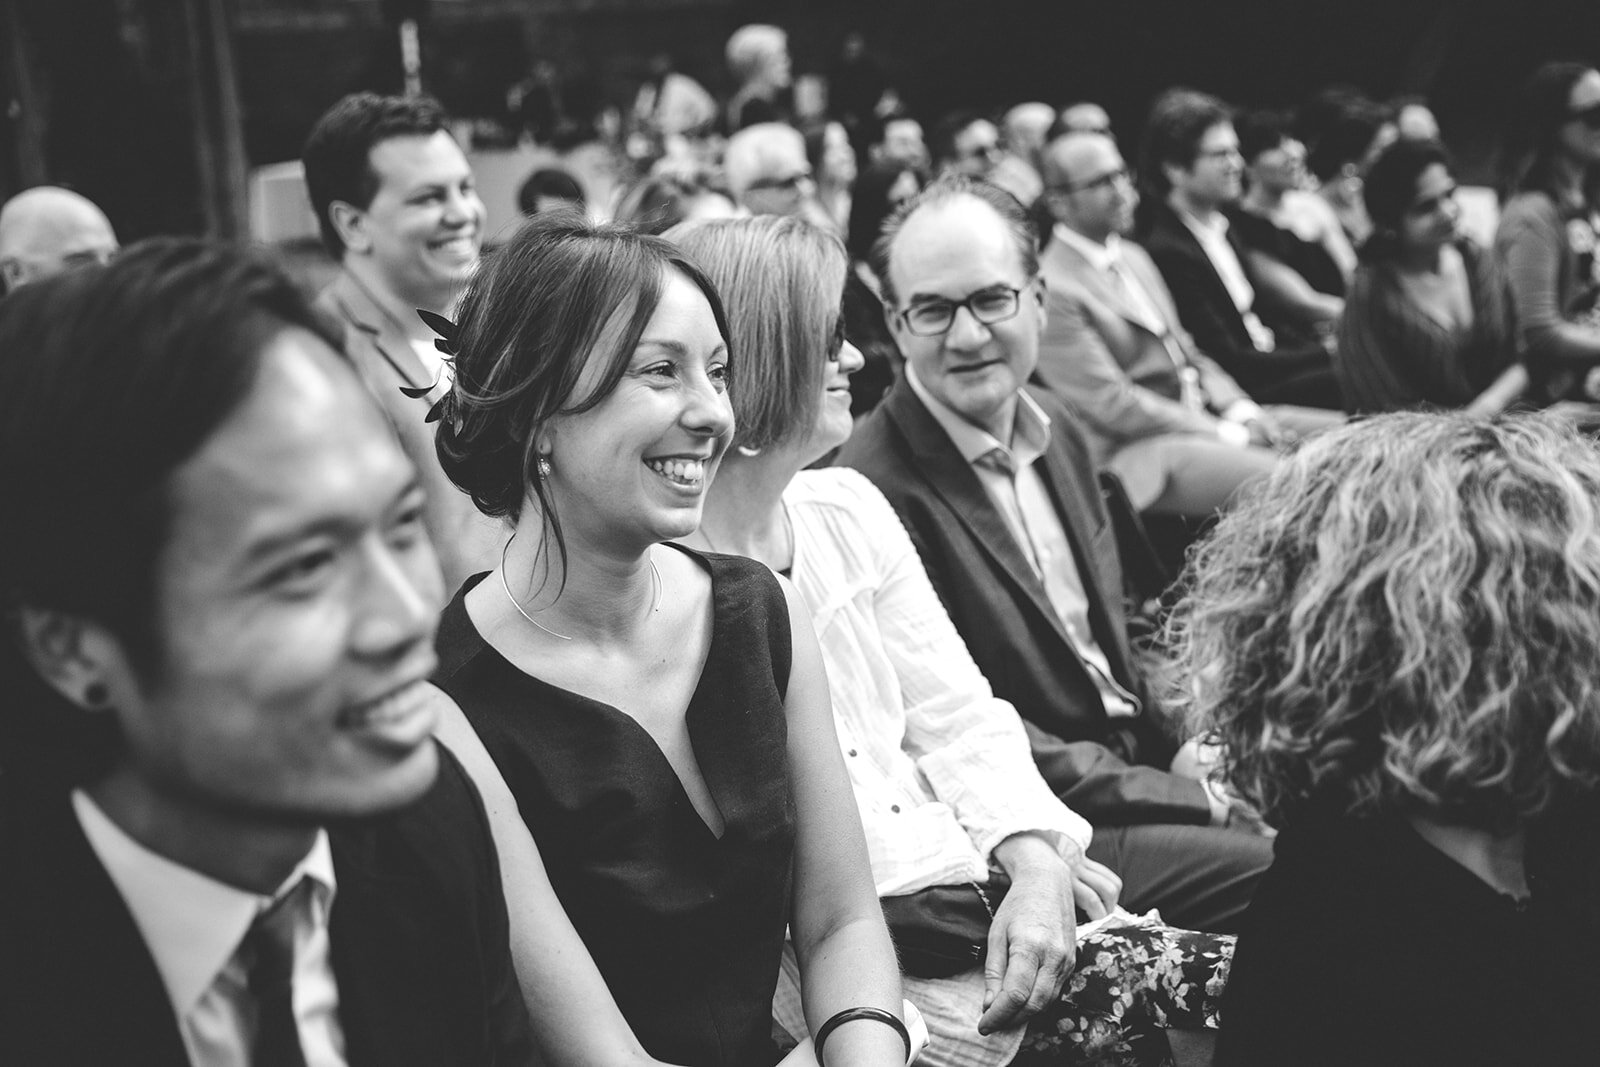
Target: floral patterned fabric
(1131, 983)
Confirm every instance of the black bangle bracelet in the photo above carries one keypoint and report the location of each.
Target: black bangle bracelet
(852, 1014)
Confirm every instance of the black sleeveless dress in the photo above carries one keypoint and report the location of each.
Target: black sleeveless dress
(686, 927)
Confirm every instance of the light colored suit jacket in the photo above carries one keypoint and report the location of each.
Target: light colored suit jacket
(1099, 356)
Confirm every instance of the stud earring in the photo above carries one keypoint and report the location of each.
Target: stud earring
(543, 466)
(95, 694)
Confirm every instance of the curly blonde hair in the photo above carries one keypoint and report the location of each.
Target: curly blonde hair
(1404, 617)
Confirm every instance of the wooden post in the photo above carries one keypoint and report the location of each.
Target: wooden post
(218, 128)
(24, 97)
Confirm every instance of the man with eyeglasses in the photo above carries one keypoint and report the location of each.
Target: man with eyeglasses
(1191, 163)
(1175, 427)
(767, 171)
(997, 489)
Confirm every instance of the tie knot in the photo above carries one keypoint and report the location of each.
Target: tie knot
(1000, 460)
(270, 941)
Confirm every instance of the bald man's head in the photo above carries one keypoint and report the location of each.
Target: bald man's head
(1087, 185)
(46, 230)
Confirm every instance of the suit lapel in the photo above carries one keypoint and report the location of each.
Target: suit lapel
(1104, 289)
(1138, 261)
(96, 994)
(940, 464)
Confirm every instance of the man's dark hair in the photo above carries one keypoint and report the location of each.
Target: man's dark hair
(1178, 122)
(1019, 224)
(112, 377)
(337, 155)
(549, 181)
(1262, 131)
(942, 139)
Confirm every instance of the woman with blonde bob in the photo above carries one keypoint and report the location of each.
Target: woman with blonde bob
(945, 785)
(1395, 641)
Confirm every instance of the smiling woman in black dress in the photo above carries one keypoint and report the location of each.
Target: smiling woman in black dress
(659, 715)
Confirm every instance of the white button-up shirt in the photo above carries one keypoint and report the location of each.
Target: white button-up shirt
(1011, 481)
(940, 766)
(193, 926)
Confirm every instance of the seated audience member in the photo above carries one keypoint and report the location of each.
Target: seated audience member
(864, 325)
(659, 716)
(965, 142)
(1292, 240)
(1426, 324)
(46, 230)
(671, 104)
(758, 59)
(228, 835)
(550, 189)
(1191, 159)
(880, 189)
(941, 771)
(661, 201)
(767, 170)
(899, 140)
(1344, 132)
(1395, 642)
(833, 166)
(1414, 119)
(1084, 117)
(1022, 135)
(399, 211)
(1024, 129)
(1546, 239)
(996, 488)
(1172, 424)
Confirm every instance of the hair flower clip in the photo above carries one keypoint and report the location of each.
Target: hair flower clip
(446, 344)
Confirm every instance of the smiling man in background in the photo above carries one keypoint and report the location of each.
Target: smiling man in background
(398, 208)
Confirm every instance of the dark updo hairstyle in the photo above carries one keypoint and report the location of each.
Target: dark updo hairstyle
(1533, 138)
(1391, 186)
(529, 323)
(111, 378)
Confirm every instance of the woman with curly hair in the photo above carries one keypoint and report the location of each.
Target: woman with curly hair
(1395, 641)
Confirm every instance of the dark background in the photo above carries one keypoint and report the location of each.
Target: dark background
(112, 80)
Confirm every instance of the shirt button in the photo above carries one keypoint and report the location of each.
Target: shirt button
(895, 808)
(852, 752)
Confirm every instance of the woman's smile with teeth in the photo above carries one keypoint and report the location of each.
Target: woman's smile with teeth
(679, 471)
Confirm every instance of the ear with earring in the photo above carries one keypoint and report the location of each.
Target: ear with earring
(95, 695)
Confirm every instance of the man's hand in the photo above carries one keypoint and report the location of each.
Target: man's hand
(1033, 939)
(1267, 432)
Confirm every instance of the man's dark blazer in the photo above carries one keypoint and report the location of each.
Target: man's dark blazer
(1296, 372)
(1002, 611)
(419, 939)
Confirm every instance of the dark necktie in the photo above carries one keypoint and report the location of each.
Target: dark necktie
(270, 945)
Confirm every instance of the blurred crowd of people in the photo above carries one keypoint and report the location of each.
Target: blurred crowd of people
(739, 623)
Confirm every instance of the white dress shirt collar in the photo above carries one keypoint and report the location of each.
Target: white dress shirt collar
(1100, 256)
(191, 923)
(1030, 427)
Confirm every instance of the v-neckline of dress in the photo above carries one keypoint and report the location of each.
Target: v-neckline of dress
(692, 711)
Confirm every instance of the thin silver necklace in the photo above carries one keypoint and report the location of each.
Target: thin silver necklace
(655, 605)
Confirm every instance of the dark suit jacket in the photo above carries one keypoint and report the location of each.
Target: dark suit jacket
(1293, 373)
(1002, 612)
(420, 945)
